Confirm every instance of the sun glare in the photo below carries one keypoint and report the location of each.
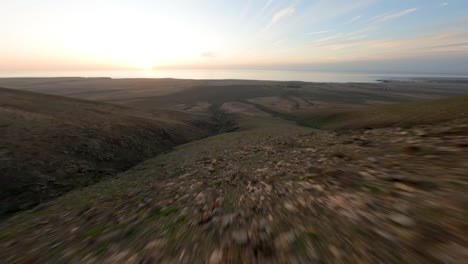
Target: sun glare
(144, 64)
(142, 59)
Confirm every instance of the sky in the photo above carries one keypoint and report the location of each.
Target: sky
(349, 35)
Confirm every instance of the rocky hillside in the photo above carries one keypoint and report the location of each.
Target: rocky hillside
(52, 144)
(277, 193)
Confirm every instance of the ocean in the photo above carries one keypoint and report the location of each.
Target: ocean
(274, 75)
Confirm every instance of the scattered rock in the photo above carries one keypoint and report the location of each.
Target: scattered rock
(402, 220)
(206, 217)
(155, 244)
(227, 220)
(200, 199)
(386, 235)
(218, 202)
(217, 212)
(290, 207)
(264, 226)
(403, 187)
(335, 251)
(111, 236)
(216, 257)
(240, 237)
(285, 241)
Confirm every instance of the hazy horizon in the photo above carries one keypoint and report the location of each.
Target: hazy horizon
(366, 35)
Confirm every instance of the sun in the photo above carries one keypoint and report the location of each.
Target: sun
(144, 64)
(142, 59)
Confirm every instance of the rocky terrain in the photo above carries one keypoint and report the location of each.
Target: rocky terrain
(294, 195)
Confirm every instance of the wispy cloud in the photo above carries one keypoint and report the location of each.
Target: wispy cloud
(451, 46)
(280, 15)
(339, 37)
(320, 32)
(416, 42)
(355, 19)
(320, 41)
(444, 4)
(392, 16)
(320, 11)
(451, 40)
(356, 37)
(268, 3)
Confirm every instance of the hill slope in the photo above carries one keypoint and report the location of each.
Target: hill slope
(270, 193)
(406, 114)
(52, 144)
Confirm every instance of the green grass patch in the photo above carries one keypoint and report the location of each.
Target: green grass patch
(182, 219)
(300, 245)
(165, 212)
(321, 121)
(57, 250)
(130, 233)
(95, 231)
(312, 176)
(312, 236)
(102, 249)
(13, 232)
(374, 189)
(170, 210)
(271, 112)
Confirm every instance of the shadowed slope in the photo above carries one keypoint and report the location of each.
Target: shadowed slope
(52, 144)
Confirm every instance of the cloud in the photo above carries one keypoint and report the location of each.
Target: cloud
(450, 40)
(417, 42)
(267, 5)
(320, 32)
(355, 19)
(444, 4)
(280, 15)
(342, 37)
(208, 54)
(319, 42)
(388, 17)
(319, 12)
(452, 45)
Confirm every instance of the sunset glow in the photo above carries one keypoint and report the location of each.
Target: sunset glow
(52, 34)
